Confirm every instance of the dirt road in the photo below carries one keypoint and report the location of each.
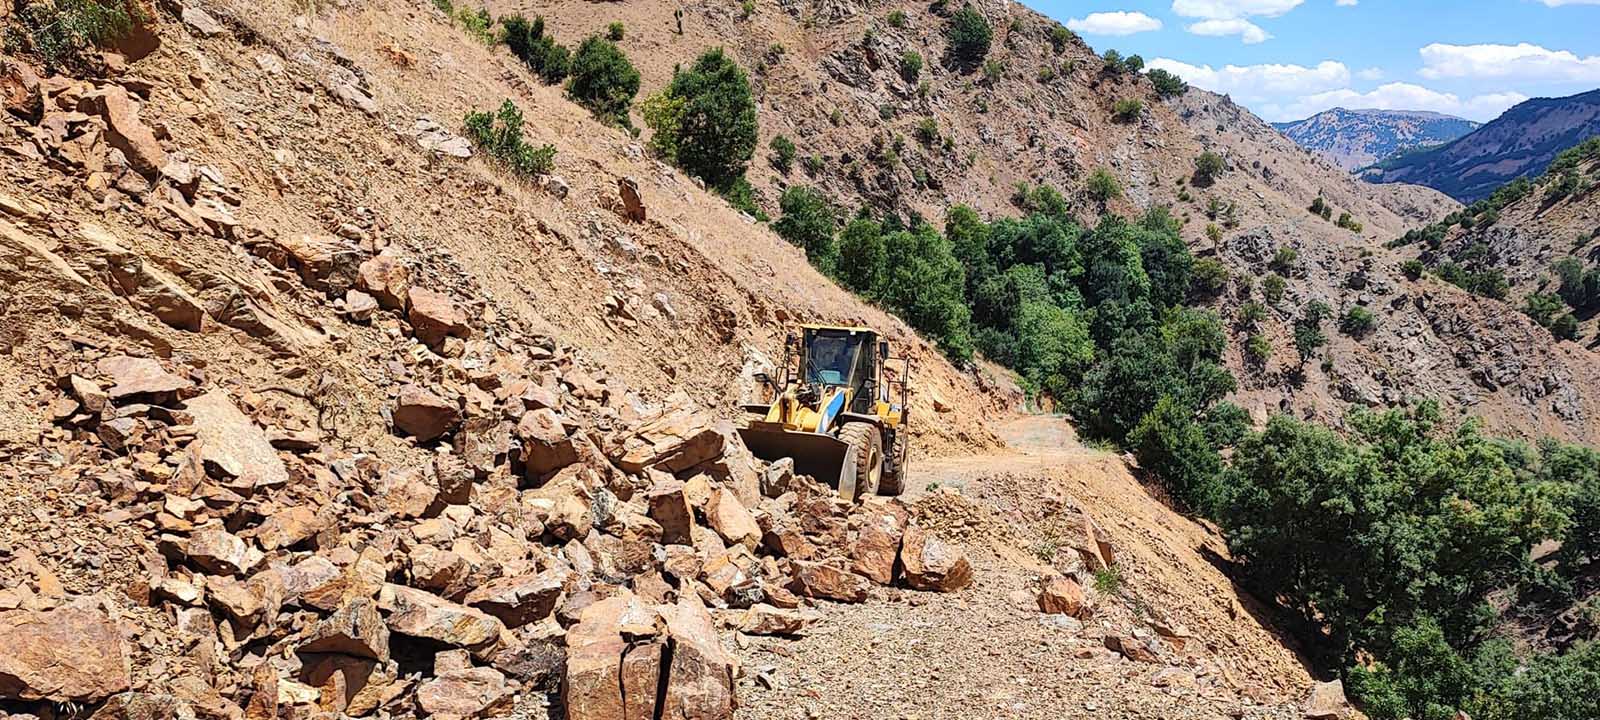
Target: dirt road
(986, 651)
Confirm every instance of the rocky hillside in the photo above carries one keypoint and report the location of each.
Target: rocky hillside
(1354, 139)
(1519, 143)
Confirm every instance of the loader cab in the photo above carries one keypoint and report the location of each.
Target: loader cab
(842, 358)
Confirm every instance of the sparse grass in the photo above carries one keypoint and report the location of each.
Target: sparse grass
(1108, 580)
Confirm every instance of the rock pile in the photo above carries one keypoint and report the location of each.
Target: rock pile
(560, 546)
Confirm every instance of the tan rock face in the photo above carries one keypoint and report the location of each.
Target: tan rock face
(1062, 596)
(933, 564)
(434, 317)
(424, 415)
(69, 654)
(728, 516)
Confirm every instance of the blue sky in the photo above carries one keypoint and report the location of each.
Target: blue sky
(1287, 59)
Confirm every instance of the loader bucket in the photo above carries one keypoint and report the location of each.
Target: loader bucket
(820, 456)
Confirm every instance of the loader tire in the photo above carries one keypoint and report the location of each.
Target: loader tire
(867, 445)
(894, 483)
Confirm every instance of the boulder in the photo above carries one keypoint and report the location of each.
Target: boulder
(545, 444)
(421, 614)
(125, 131)
(1062, 596)
(1327, 702)
(520, 600)
(933, 564)
(233, 443)
(434, 317)
(387, 279)
(355, 629)
(669, 507)
(728, 516)
(821, 580)
(70, 654)
(424, 415)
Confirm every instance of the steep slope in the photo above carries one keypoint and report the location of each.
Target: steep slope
(1354, 139)
(828, 77)
(1519, 143)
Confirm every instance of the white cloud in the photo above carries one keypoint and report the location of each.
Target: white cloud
(1114, 23)
(1232, 9)
(1503, 61)
(1247, 31)
(1397, 96)
(1257, 83)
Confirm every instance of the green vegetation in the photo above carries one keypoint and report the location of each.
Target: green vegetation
(1167, 85)
(705, 120)
(1127, 110)
(783, 153)
(969, 37)
(603, 80)
(911, 65)
(540, 52)
(499, 135)
(62, 33)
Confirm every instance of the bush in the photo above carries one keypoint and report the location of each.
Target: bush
(969, 37)
(603, 80)
(783, 153)
(809, 222)
(1207, 166)
(911, 65)
(63, 32)
(1357, 321)
(499, 135)
(1127, 110)
(529, 43)
(1210, 276)
(709, 117)
(1103, 186)
(1167, 85)
(615, 31)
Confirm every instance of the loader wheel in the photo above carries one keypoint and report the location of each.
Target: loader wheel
(867, 444)
(893, 483)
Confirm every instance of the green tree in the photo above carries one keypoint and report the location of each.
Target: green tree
(809, 222)
(715, 127)
(1167, 85)
(603, 80)
(969, 37)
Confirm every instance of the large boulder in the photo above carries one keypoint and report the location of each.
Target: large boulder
(933, 564)
(70, 654)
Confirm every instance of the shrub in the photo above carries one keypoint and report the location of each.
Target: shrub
(603, 80)
(1103, 186)
(63, 32)
(615, 31)
(1272, 287)
(897, 19)
(1127, 110)
(1167, 85)
(1060, 37)
(809, 222)
(911, 65)
(499, 135)
(1207, 166)
(969, 37)
(1210, 276)
(710, 115)
(529, 43)
(1357, 321)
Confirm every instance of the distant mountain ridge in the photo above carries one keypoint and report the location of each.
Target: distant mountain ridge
(1354, 139)
(1519, 143)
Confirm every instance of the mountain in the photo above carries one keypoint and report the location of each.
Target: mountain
(1355, 139)
(1519, 143)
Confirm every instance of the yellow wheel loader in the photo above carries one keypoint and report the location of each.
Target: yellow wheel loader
(838, 409)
